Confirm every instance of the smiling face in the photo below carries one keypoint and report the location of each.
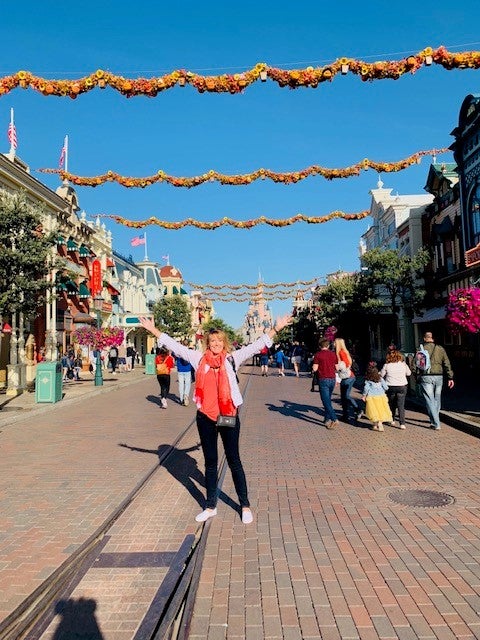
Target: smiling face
(216, 343)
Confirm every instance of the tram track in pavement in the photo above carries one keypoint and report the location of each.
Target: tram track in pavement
(171, 610)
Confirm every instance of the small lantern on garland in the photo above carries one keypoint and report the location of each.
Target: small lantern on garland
(463, 310)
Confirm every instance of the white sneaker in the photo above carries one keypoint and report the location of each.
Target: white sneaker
(186, 401)
(206, 514)
(164, 403)
(247, 516)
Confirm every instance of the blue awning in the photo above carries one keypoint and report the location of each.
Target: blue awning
(84, 252)
(72, 245)
(437, 313)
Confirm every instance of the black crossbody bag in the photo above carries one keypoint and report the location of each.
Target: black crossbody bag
(228, 421)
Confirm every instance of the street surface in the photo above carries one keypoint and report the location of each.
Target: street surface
(331, 553)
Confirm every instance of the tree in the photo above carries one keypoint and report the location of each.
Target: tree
(172, 315)
(390, 280)
(26, 256)
(218, 323)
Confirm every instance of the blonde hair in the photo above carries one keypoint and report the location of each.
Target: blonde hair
(341, 346)
(394, 356)
(221, 335)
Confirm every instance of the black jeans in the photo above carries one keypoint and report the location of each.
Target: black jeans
(164, 382)
(208, 432)
(396, 400)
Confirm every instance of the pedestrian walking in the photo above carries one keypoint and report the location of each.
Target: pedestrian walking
(375, 398)
(395, 372)
(430, 378)
(324, 366)
(264, 358)
(113, 357)
(164, 363)
(347, 379)
(217, 396)
(184, 372)
(280, 361)
(296, 356)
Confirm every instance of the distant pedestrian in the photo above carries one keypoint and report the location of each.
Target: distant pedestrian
(347, 378)
(113, 357)
(184, 372)
(431, 380)
(376, 407)
(324, 365)
(164, 363)
(296, 357)
(395, 372)
(280, 361)
(264, 358)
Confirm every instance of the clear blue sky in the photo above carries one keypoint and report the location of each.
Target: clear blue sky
(187, 133)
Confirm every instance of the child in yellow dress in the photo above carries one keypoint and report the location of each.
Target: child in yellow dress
(376, 409)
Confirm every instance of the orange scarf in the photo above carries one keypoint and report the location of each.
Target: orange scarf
(217, 364)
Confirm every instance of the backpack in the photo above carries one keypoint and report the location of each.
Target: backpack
(162, 368)
(422, 360)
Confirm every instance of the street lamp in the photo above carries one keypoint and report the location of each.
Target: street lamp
(98, 305)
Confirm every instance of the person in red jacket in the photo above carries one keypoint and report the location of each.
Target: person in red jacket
(324, 365)
(164, 363)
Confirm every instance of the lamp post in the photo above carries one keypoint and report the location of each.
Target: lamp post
(98, 304)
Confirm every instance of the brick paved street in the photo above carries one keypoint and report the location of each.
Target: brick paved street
(329, 555)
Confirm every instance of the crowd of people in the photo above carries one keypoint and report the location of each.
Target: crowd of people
(115, 359)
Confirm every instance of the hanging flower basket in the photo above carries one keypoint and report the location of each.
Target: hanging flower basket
(98, 339)
(463, 310)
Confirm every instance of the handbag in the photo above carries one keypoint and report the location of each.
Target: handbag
(343, 371)
(226, 421)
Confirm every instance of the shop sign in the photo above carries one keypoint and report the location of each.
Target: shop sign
(472, 256)
(96, 279)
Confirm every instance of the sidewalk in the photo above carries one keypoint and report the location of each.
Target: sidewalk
(14, 409)
(356, 534)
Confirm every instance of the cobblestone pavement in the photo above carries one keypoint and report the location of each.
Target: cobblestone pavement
(332, 553)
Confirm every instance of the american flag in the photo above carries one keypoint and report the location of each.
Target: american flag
(167, 258)
(12, 135)
(138, 240)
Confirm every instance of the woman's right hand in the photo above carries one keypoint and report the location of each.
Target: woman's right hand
(149, 326)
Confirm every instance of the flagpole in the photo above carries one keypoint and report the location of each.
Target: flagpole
(12, 138)
(66, 153)
(146, 256)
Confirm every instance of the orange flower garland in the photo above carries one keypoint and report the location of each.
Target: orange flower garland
(289, 177)
(237, 224)
(264, 285)
(238, 82)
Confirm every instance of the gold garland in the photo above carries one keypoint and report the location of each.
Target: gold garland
(249, 298)
(237, 224)
(264, 285)
(288, 177)
(236, 83)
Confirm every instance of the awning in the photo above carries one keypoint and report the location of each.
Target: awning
(84, 252)
(437, 313)
(83, 291)
(110, 262)
(111, 290)
(72, 245)
(175, 291)
(60, 286)
(61, 240)
(72, 288)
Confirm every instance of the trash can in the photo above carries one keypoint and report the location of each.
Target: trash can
(150, 364)
(48, 382)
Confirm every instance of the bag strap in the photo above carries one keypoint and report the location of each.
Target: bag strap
(232, 362)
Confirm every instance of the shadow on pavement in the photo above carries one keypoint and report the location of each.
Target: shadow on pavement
(297, 411)
(77, 620)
